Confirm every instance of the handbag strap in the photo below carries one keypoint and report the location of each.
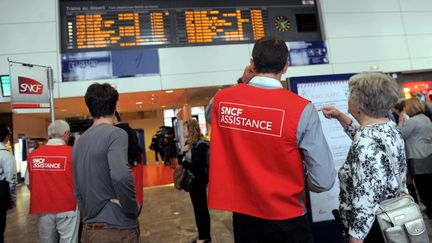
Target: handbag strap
(392, 163)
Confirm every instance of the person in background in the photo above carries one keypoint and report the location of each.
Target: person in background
(366, 178)
(195, 158)
(71, 141)
(263, 136)
(8, 179)
(134, 149)
(426, 110)
(155, 147)
(397, 109)
(417, 132)
(161, 141)
(103, 182)
(170, 149)
(51, 187)
(135, 157)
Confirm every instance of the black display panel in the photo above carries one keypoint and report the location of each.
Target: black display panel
(108, 25)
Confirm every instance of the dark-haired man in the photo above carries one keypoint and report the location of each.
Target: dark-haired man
(9, 178)
(103, 181)
(260, 134)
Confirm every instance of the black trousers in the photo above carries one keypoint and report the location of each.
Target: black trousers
(157, 151)
(248, 229)
(374, 235)
(2, 224)
(422, 183)
(202, 216)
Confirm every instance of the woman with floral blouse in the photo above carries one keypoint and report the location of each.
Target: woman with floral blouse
(366, 178)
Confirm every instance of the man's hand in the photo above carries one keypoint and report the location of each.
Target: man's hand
(115, 201)
(248, 74)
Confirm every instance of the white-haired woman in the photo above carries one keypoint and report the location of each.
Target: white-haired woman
(366, 177)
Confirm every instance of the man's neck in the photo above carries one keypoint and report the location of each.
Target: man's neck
(269, 75)
(103, 120)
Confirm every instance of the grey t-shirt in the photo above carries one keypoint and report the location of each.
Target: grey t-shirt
(100, 174)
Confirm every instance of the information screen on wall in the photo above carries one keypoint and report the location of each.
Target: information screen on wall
(5, 85)
(106, 25)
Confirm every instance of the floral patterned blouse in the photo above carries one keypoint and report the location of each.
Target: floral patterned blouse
(366, 178)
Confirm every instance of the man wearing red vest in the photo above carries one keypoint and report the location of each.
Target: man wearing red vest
(51, 187)
(263, 137)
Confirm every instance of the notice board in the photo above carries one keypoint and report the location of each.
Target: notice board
(321, 91)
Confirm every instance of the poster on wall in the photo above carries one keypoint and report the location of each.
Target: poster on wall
(29, 88)
(96, 65)
(307, 53)
(322, 91)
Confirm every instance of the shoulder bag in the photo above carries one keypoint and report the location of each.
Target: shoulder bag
(183, 178)
(400, 218)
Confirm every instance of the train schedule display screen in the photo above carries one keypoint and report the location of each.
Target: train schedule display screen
(108, 25)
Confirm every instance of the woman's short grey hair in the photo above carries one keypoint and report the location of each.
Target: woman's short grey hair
(375, 93)
(58, 128)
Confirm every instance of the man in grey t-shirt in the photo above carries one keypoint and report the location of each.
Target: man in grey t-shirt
(103, 181)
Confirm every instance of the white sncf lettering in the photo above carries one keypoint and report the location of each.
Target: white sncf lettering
(232, 116)
(249, 118)
(32, 88)
(39, 163)
(231, 111)
(38, 160)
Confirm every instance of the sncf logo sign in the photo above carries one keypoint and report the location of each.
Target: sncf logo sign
(29, 86)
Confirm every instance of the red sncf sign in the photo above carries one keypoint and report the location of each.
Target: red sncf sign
(29, 86)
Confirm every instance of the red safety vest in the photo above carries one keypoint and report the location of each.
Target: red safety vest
(51, 180)
(137, 173)
(255, 164)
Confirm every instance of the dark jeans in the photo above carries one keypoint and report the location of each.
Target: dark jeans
(248, 229)
(202, 216)
(422, 183)
(2, 224)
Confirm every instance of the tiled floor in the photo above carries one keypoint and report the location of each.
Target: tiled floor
(167, 217)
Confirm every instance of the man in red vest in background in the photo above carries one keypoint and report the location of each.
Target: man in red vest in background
(263, 138)
(51, 187)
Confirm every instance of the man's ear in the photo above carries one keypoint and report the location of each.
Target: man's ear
(285, 69)
(252, 65)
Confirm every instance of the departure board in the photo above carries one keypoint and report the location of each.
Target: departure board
(107, 25)
(117, 28)
(219, 25)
